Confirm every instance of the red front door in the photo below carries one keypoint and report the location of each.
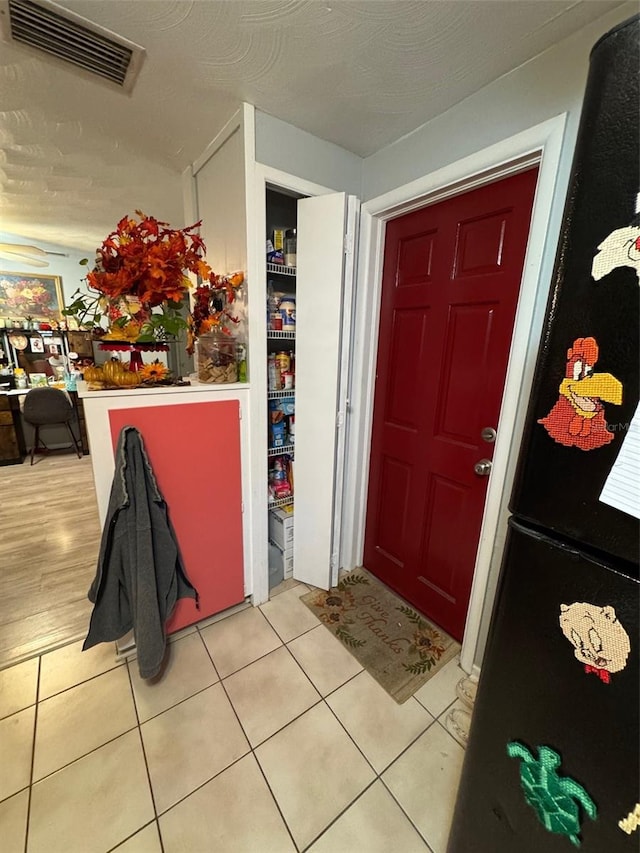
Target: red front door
(450, 286)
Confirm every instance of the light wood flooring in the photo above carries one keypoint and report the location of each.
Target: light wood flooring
(49, 540)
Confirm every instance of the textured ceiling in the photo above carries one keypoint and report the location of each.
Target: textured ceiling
(75, 155)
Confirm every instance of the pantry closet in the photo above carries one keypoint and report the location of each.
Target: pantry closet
(294, 422)
(323, 295)
(281, 219)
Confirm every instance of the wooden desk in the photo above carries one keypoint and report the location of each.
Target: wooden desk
(12, 445)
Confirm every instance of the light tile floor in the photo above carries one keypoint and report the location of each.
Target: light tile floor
(264, 735)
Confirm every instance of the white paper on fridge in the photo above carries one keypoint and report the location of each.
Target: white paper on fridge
(622, 487)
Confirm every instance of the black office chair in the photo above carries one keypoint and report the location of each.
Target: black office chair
(44, 406)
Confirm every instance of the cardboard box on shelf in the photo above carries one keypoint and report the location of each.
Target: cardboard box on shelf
(281, 528)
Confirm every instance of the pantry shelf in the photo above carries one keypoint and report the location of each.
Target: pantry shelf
(276, 334)
(280, 270)
(282, 395)
(281, 502)
(277, 451)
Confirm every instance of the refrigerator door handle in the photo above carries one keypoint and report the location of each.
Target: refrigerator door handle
(483, 467)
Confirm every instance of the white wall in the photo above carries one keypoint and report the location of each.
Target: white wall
(221, 195)
(296, 152)
(549, 84)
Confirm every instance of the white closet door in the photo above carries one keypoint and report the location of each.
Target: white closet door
(344, 392)
(320, 290)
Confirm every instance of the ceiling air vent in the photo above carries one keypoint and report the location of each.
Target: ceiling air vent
(61, 33)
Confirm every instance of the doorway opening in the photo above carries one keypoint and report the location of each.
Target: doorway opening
(50, 536)
(450, 287)
(542, 146)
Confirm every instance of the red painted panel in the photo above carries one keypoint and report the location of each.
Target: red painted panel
(443, 350)
(463, 377)
(415, 258)
(480, 243)
(194, 450)
(392, 507)
(407, 344)
(447, 507)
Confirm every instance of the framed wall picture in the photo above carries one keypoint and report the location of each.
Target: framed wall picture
(80, 343)
(37, 344)
(24, 295)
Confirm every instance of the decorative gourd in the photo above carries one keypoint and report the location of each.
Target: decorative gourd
(93, 374)
(127, 379)
(112, 369)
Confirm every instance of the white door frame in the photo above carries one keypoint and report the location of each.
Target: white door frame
(257, 182)
(541, 144)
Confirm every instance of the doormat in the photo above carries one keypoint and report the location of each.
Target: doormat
(399, 647)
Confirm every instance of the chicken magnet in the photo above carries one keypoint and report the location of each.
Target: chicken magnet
(577, 419)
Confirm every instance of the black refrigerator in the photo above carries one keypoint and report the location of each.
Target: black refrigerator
(553, 759)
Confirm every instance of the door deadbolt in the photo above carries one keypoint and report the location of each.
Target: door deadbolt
(483, 467)
(488, 434)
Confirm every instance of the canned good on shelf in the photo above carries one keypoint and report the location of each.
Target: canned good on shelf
(287, 381)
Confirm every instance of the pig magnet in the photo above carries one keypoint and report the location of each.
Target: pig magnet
(599, 641)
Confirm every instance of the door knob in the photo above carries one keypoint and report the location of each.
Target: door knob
(482, 467)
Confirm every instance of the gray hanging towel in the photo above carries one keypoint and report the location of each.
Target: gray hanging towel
(140, 576)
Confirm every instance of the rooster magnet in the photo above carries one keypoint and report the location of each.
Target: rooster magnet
(577, 419)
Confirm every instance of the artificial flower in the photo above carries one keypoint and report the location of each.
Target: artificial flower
(210, 309)
(155, 371)
(145, 265)
(149, 260)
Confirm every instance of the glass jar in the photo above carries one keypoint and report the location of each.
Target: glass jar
(217, 358)
(290, 247)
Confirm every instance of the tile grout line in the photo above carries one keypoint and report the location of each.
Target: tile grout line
(251, 749)
(275, 801)
(404, 812)
(377, 775)
(133, 834)
(179, 702)
(84, 755)
(33, 757)
(323, 699)
(202, 784)
(79, 683)
(273, 627)
(146, 764)
(139, 724)
(445, 729)
(400, 806)
(244, 666)
(339, 815)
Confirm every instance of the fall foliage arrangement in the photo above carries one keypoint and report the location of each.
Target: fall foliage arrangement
(210, 312)
(140, 279)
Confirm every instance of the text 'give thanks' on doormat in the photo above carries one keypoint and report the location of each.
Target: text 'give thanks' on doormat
(396, 645)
